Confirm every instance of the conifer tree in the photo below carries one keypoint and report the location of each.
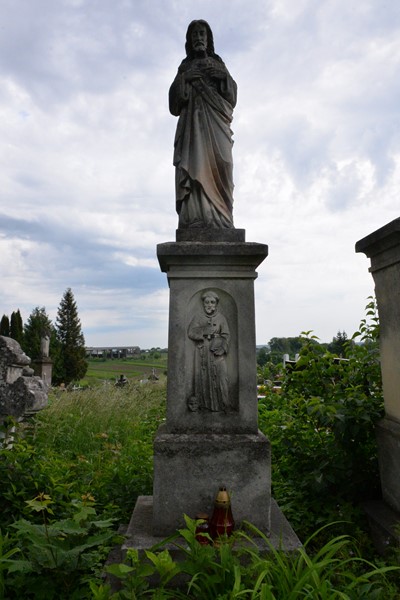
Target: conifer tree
(5, 326)
(16, 327)
(71, 339)
(37, 325)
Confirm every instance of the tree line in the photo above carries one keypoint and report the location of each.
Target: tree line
(278, 346)
(67, 342)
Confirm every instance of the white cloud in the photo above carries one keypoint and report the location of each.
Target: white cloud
(86, 150)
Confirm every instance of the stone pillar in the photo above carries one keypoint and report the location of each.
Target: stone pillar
(202, 447)
(383, 248)
(43, 368)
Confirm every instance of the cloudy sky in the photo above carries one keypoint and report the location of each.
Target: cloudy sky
(86, 141)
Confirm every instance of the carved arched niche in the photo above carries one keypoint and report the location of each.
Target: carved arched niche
(211, 352)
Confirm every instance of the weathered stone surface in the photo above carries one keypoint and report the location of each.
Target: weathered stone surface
(228, 270)
(140, 535)
(203, 95)
(383, 248)
(388, 437)
(203, 446)
(20, 393)
(43, 368)
(202, 234)
(384, 523)
(189, 468)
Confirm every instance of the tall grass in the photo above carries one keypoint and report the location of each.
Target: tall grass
(102, 439)
(236, 568)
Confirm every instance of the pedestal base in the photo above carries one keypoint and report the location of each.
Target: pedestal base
(43, 368)
(384, 523)
(388, 438)
(190, 468)
(140, 536)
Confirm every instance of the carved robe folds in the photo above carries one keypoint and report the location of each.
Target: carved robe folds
(210, 377)
(203, 144)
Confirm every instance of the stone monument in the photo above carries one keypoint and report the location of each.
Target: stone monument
(21, 393)
(211, 437)
(383, 248)
(43, 366)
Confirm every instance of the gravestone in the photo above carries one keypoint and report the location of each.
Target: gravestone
(21, 393)
(211, 437)
(43, 366)
(383, 249)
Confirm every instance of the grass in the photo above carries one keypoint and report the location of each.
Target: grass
(103, 439)
(235, 568)
(100, 370)
(96, 444)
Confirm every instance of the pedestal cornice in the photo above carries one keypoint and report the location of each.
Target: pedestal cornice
(382, 246)
(214, 255)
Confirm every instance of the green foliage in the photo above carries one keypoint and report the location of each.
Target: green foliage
(102, 440)
(277, 347)
(101, 369)
(25, 469)
(85, 446)
(5, 326)
(5, 555)
(236, 568)
(16, 327)
(339, 344)
(322, 429)
(71, 339)
(96, 446)
(57, 555)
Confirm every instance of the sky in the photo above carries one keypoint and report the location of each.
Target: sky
(86, 145)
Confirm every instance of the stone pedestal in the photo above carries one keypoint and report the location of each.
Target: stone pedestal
(383, 248)
(43, 368)
(202, 447)
(189, 468)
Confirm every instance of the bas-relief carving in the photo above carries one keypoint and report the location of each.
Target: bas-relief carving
(211, 359)
(203, 95)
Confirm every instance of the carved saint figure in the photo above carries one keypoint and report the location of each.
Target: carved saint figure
(210, 332)
(203, 95)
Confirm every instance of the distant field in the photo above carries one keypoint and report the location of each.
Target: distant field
(110, 369)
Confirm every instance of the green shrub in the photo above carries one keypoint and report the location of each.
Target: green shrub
(322, 431)
(57, 556)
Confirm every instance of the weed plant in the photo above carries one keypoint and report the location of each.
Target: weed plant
(236, 568)
(105, 437)
(96, 442)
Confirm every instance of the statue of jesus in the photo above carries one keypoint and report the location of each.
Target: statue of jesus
(203, 95)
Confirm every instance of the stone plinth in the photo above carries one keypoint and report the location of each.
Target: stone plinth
(211, 437)
(388, 437)
(228, 269)
(189, 468)
(139, 534)
(383, 248)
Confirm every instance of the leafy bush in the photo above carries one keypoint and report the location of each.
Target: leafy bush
(94, 445)
(57, 556)
(236, 568)
(321, 428)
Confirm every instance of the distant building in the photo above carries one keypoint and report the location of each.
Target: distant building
(112, 351)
